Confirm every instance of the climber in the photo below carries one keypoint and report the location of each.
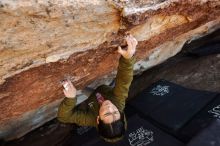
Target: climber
(105, 105)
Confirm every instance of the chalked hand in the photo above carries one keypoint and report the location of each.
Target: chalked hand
(131, 48)
(69, 90)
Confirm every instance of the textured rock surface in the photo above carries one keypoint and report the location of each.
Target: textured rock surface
(43, 41)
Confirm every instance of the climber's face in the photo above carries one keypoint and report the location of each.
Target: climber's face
(108, 112)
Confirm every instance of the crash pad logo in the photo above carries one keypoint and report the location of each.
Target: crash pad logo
(160, 90)
(215, 112)
(140, 137)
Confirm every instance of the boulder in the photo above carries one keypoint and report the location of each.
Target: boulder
(42, 42)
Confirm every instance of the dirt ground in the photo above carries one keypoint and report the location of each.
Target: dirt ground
(187, 70)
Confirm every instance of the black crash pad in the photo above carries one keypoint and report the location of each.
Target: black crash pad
(141, 133)
(208, 137)
(202, 120)
(171, 105)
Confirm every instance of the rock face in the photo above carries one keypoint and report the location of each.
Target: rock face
(41, 42)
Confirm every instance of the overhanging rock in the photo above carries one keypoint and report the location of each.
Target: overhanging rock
(43, 41)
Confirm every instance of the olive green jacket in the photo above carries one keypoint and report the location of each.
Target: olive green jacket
(68, 113)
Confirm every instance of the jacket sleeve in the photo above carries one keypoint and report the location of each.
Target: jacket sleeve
(123, 81)
(68, 114)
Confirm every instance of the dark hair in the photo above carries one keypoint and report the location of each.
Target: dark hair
(114, 131)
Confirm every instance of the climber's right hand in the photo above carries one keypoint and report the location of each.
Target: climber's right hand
(129, 52)
(69, 90)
